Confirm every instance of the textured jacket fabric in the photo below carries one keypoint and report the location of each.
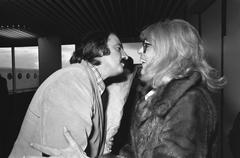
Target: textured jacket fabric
(177, 121)
(69, 98)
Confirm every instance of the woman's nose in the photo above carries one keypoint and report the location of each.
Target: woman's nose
(141, 54)
(124, 55)
(140, 51)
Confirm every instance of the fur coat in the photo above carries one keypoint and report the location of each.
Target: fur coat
(177, 121)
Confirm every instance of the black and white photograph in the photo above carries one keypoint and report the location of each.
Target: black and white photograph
(120, 78)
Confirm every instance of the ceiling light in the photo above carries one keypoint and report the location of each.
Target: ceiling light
(16, 32)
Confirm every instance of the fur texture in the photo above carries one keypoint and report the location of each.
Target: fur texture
(178, 121)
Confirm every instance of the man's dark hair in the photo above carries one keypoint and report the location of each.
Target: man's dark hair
(93, 45)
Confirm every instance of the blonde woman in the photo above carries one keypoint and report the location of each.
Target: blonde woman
(176, 116)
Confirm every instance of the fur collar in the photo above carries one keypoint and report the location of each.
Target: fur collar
(167, 96)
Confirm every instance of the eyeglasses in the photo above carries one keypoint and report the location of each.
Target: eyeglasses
(145, 45)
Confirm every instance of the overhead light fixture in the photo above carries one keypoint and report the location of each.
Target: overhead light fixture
(16, 32)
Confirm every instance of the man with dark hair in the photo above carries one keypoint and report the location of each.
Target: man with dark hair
(90, 46)
(71, 98)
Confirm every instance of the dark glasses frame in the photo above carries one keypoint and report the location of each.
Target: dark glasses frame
(145, 45)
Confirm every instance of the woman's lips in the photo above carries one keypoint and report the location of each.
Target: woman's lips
(143, 61)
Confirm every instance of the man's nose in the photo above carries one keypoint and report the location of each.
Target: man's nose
(124, 55)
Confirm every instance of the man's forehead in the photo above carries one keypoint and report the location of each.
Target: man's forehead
(114, 40)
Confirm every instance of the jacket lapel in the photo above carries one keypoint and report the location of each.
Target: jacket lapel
(96, 140)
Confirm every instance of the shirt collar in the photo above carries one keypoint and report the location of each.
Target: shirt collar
(100, 83)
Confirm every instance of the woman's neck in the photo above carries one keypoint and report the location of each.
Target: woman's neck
(164, 80)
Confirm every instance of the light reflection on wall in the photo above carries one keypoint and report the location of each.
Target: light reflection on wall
(26, 68)
(67, 51)
(6, 66)
(5, 58)
(26, 63)
(26, 57)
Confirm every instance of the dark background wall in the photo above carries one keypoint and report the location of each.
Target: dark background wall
(13, 110)
(231, 68)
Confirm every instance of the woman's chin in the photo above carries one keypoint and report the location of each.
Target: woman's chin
(143, 70)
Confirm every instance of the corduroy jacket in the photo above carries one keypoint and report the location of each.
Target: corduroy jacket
(69, 98)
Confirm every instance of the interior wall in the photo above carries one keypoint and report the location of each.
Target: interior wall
(211, 32)
(49, 56)
(193, 19)
(232, 65)
(231, 62)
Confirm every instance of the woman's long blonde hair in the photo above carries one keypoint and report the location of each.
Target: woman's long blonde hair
(178, 51)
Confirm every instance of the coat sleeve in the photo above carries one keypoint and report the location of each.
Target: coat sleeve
(67, 102)
(185, 129)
